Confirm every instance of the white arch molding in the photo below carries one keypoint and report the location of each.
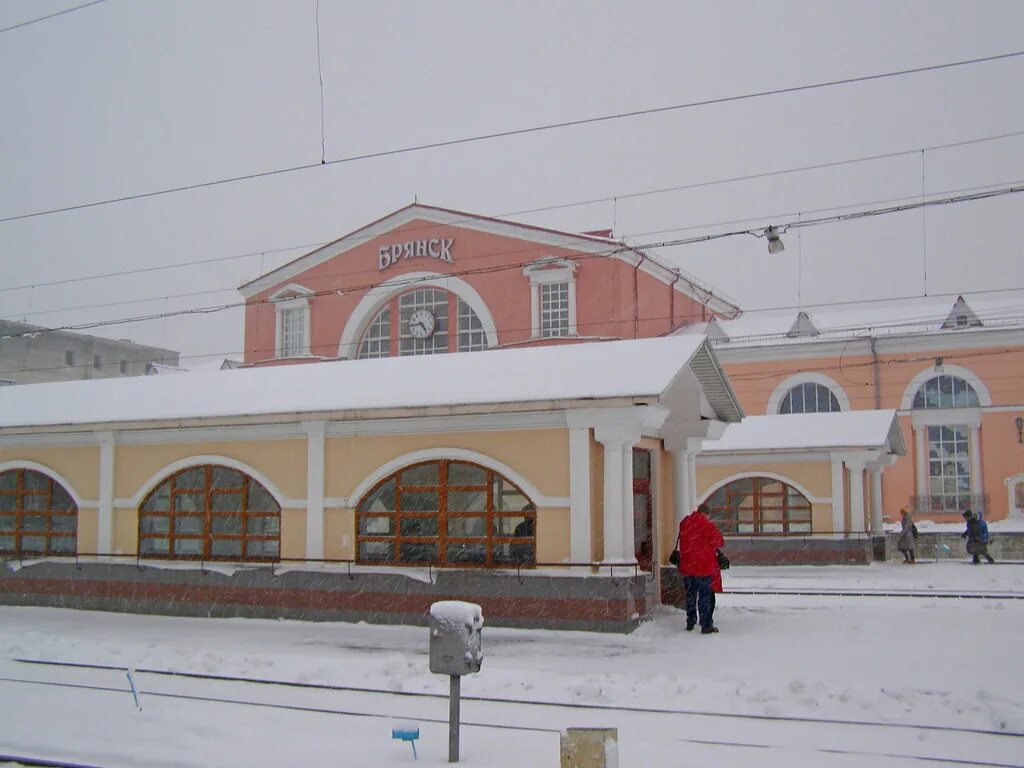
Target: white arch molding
(225, 461)
(984, 398)
(6, 466)
(771, 476)
(375, 299)
(1011, 484)
(809, 377)
(455, 454)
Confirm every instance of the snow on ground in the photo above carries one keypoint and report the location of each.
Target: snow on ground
(897, 660)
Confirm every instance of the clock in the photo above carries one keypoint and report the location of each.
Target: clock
(421, 324)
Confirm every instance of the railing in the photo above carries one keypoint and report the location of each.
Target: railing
(949, 505)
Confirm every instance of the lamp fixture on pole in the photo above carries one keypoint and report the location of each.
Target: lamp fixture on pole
(775, 244)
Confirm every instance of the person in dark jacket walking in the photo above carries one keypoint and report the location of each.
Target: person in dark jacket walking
(699, 541)
(908, 533)
(977, 548)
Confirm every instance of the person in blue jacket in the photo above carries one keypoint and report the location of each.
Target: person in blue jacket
(977, 538)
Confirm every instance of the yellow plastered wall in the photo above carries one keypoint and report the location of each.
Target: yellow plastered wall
(539, 455)
(126, 531)
(813, 476)
(293, 533)
(282, 461)
(339, 534)
(79, 466)
(553, 534)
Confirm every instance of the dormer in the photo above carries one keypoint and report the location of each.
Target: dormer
(802, 327)
(961, 316)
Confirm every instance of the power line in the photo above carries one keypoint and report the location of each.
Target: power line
(51, 16)
(523, 131)
(558, 206)
(501, 267)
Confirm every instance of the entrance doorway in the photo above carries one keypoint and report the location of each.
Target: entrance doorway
(643, 533)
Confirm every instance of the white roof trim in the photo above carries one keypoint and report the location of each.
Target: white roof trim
(651, 263)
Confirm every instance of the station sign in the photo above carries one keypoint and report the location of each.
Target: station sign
(439, 248)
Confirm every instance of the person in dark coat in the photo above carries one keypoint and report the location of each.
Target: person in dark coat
(908, 532)
(977, 547)
(699, 540)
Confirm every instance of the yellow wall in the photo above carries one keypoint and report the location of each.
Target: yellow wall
(293, 533)
(552, 534)
(80, 466)
(339, 534)
(539, 455)
(126, 531)
(815, 477)
(88, 531)
(282, 461)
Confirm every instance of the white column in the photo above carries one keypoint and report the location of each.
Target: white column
(838, 497)
(856, 495)
(614, 546)
(315, 439)
(105, 527)
(579, 495)
(876, 501)
(977, 482)
(921, 460)
(628, 522)
(691, 478)
(680, 487)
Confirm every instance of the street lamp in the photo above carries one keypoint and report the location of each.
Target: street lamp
(775, 244)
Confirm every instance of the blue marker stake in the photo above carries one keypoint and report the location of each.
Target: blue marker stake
(135, 693)
(407, 733)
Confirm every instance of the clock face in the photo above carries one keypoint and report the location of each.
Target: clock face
(421, 324)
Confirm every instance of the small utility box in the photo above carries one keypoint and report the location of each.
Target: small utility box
(455, 650)
(455, 638)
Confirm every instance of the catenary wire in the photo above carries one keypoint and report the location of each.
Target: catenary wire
(51, 16)
(524, 131)
(695, 185)
(600, 254)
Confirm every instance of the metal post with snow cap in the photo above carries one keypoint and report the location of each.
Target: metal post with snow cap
(456, 630)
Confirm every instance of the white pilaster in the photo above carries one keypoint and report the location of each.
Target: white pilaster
(838, 496)
(579, 495)
(680, 486)
(105, 526)
(628, 516)
(614, 481)
(315, 432)
(856, 495)
(876, 502)
(921, 460)
(691, 477)
(977, 482)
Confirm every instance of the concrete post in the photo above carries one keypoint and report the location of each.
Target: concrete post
(590, 748)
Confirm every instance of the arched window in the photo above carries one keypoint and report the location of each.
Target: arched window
(446, 513)
(760, 505)
(809, 398)
(946, 392)
(426, 318)
(37, 515)
(210, 512)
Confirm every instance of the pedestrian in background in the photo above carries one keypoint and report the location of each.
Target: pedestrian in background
(699, 540)
(908, 533)
(977, 546)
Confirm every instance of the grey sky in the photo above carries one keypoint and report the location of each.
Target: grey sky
(128, 97)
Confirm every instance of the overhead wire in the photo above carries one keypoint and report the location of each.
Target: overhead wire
(50, 16)
(522, 131)
(576, 257)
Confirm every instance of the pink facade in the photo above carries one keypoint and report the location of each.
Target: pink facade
(497, 268)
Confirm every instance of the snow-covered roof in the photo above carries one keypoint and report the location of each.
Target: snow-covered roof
(871, 318)
(810, 431)
(591, 372)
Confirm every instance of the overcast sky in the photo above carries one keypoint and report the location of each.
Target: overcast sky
(128, 97)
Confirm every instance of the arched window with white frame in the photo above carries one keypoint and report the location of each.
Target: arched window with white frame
(423, 321)
(808, 392)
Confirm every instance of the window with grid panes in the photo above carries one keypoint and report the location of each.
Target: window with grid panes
(384, 338)
(37, 515)
(293, 332)
(949, 468)
(809, 397)
(210, 512)
(377, 341)
(446, 513)
(759, 505)
(554, 309)
(946, 392)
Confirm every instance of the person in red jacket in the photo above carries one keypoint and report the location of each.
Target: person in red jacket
(699, 540)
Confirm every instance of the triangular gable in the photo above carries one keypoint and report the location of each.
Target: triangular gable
(647, 261)
(802, 326)
(961, 316)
